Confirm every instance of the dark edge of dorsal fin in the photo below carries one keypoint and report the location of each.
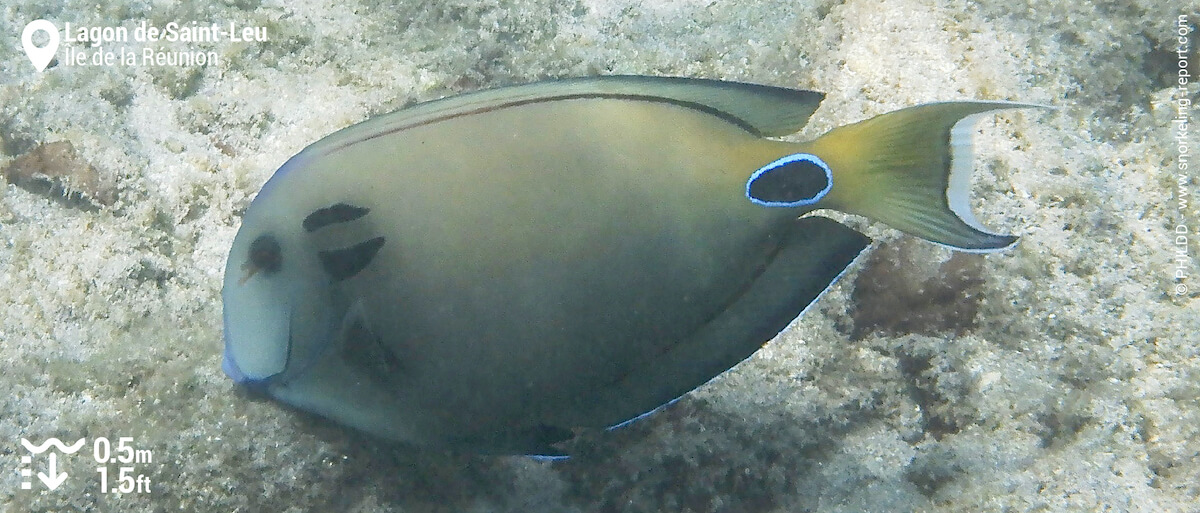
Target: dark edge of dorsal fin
(761, 110)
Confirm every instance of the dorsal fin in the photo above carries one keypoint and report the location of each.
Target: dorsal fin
(762, 110)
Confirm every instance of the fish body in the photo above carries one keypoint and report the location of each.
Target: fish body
(493, 271)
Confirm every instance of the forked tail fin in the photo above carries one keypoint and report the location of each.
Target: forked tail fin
(911, 169)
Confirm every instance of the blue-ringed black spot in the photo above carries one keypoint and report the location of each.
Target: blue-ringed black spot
(796, 180)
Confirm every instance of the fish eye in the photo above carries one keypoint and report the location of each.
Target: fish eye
(265, 255)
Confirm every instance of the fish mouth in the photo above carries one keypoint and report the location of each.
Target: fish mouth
(296, 362)
(231, 368)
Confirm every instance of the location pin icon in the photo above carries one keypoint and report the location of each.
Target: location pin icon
(40, 57)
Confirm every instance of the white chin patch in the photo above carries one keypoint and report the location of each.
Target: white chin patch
(257, 337)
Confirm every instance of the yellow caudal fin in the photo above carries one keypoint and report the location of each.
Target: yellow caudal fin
(911, 170)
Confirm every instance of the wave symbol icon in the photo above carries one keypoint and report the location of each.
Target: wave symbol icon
(65, 449)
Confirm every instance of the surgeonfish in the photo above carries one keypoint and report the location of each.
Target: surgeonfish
(495, 271)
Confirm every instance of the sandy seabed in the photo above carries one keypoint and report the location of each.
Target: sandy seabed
(1061, 375)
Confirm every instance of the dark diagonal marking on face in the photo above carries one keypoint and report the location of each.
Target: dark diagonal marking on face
(333, 214)
(346, 262)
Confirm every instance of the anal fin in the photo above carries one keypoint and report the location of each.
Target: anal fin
(815, 253)
(537, 441)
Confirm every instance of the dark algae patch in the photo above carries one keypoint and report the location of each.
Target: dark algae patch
(894, 297)
(56, 170)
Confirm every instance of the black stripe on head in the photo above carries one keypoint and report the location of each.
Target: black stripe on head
(346, 262)
(333, 214)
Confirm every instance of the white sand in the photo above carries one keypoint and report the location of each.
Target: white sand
(1077, 388)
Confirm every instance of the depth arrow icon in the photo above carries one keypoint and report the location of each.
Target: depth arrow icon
(54, 479)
